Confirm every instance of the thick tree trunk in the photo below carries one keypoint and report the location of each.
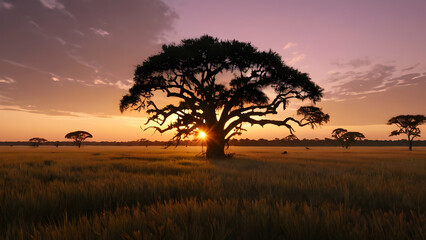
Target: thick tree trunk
(215, 149)
(79, 144)
(215, 139)
(410, 145)
(215, 143)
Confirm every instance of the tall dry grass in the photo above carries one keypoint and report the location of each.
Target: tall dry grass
(152, 193)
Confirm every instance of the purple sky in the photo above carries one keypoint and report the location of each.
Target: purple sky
(64, 64)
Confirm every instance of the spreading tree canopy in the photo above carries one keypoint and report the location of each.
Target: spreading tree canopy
(351, 137)
(346, 138)
(78, 136)
(409, 125)
(338, 135)
(37, 141)
(217, 86)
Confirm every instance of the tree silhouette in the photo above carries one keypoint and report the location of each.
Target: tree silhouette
(37, 141)
(78, 136)
(291, 137)
(337, 134)
(351, 137)
(217, 86)
(407, 124)
(346, 138)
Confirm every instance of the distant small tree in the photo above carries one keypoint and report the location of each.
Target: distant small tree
(78, 136)
(351, 137)
(37, 141)
(291, 137)
(346, 138)
(337, 134)
(143, 141)
(407, 124)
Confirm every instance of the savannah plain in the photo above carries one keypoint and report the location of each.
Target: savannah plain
(156, 193)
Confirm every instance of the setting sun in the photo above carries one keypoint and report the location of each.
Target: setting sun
(202, 135)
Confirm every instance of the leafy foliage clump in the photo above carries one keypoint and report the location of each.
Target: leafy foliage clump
(346, 138)
(407, 124)
(78, 136)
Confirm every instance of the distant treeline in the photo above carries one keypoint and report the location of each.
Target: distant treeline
(320, 142)
(233, 142)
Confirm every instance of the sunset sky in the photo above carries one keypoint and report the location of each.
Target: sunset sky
(65, 64)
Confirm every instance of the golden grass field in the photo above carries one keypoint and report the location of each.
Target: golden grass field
(155, 193)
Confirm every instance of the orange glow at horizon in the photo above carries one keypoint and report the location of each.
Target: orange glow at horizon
(21, 126)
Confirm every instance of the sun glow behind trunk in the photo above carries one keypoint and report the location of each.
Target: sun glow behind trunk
(202, 135)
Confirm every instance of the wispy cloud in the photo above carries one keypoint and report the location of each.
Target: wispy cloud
(28, 67)
(99, 82)
(377, 78)
(291, 54)
(61, 41)
(56, 5)
(55, 112)
(22, 65)
(357, 63)
(52, 4)
(410, 68)
(354, 63)
(7, 80)
(100, 32)
(77, 114)
(34, 24)
(84, 62)
(5, 99)
(54, 77)
(18, 108)
(297, 57)
(68, 54)
(79, 33)
(6, 5)
(289, 45)
(125, 85)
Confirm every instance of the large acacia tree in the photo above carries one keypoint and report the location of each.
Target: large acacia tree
(409, 125)
(217, 86)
